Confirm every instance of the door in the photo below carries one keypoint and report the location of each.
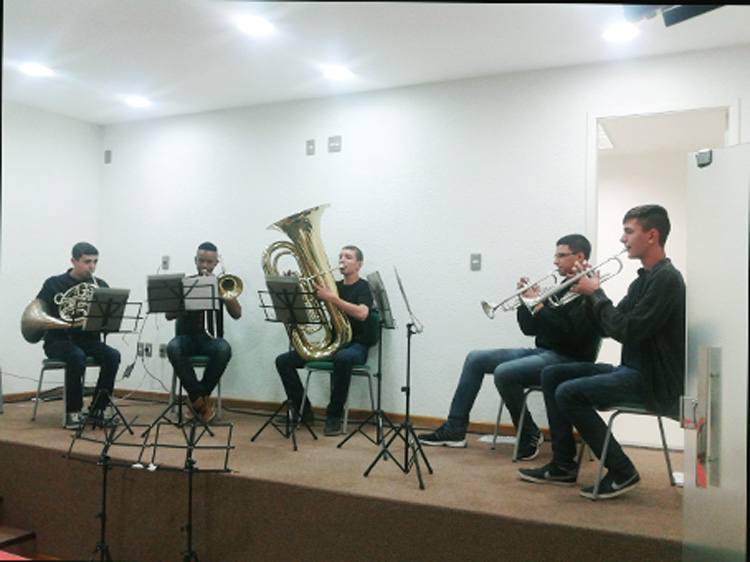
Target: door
(715, 502)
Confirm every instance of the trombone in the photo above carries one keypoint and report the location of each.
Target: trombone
(230, 286)
(515, 300)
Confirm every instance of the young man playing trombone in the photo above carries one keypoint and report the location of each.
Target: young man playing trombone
(198, 334)
(563, 334)
(650, 323)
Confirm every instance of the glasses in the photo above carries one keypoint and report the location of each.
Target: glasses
(561, 255)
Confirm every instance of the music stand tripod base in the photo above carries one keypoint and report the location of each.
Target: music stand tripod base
(290, 426)
(405, 430)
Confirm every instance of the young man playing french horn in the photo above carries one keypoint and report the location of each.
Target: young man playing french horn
(72, 344)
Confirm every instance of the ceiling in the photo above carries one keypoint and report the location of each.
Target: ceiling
(188, 57)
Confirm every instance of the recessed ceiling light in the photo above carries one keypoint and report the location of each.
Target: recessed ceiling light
(137, 101)
(337, 72)
(254, 25)
(622, 31)
(35, 69)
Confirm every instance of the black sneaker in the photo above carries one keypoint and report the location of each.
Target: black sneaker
(308, 416)
(333, 426)
(73, 420)
(100, 417)
(443, 436)
(531, 450)
(612, 486)
(549, 474)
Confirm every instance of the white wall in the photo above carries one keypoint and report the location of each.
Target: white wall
(427, 176)
(50, 200)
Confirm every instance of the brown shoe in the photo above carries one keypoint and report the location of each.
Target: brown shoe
(208, 414)
(199, 404)
(203, 408)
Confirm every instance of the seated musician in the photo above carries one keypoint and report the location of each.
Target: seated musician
(562, 333)
(72, 344)
(354, 298)
(199, 333)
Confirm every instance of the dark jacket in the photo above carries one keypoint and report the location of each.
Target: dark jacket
(567, 329)
(649, 322)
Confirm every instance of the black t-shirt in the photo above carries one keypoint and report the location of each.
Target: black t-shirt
(58, 285)
(356, 293)
(196, 322)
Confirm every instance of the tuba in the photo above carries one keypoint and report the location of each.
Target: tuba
(328, 324)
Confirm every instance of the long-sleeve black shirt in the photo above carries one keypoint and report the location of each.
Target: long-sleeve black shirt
(567, 329)
(650, 323)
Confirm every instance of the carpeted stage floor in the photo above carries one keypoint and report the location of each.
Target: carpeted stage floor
(314, 503)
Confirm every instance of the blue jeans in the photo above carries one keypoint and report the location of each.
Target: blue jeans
(514, 370)
(218, 351)
(572, 394)
(74, 354)
(343, 360)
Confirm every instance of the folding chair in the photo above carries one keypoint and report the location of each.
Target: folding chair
(52, 364)
(630, 408)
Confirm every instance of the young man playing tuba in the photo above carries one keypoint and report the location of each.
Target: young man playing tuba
(353, 298)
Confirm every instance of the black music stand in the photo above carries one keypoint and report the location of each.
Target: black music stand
(386, 321)
(287, 305)
(165, 293)
(106, 311)
(192, 433)
(177, 294)
(112, 429)
(412, 447)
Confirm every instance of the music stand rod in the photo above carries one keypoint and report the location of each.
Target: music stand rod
(409, 436)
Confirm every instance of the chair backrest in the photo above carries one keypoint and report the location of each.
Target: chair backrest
(372, 328)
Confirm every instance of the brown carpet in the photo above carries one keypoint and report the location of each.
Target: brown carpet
(315, 503)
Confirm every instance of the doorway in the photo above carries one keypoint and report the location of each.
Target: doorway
(642, 159)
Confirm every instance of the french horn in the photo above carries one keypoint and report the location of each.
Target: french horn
(73, 308)
(328, 328)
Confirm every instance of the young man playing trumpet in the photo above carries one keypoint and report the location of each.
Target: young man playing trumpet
(198, 334)
(563, 334)
(72, 344)
(650, 323)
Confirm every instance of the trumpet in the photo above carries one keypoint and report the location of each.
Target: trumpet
(515, 300)
(552, 295)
